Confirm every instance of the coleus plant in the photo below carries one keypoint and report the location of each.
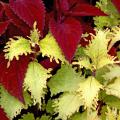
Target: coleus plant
(26, 79)
(62, 20)
(90, 84)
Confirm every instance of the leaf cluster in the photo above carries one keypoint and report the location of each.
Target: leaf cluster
(88, 88)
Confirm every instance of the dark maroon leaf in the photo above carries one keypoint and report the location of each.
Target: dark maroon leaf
(74, 2)
(117, 4)
(113, 51)
(85, 10)
(67, 34)
(64, 5)
(12, 78)
(3, 115)
(48, 64)
(16, 20)
(3, 26)
(1, 11)
(13, 30)
(30, 11)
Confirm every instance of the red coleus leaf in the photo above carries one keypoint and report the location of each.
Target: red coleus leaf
(16, 20)
(48, 64)
(113, 51)
(62, 5)
(15, 31)
(67, 34)
(12, 78)
(3, 115)
(85, 10)
(74, 2)
(1, 11)
(117, 4)
(3, 26)
(30, 11)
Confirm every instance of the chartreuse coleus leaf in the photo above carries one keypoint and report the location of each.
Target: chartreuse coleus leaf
(112, 101)
(44, 117)
(34, 35)
(112, 114)
(92, 115)
(113, 88)
(114, 35)
(35, 81)
(114, 72)
(28, 116)
(89, 89)
(79, 116)
(67, 104)
(85, 116)
(84, 62)
(113, 18)
(50, 48)
(14, 48)
(20, 45)
(80, 50)
(97, 49)
(65, 80)
(118, 55)
(100, 74)
(103, 112)
(49, 107)
(10, 104)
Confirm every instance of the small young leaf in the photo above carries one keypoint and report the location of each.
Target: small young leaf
(35, 34)
(14, 48)
(89, 89)
(67, 105)
(50, 48)
(83, 62)
(80, 52)
(28, 116)
(35, 81)
(65, 80)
